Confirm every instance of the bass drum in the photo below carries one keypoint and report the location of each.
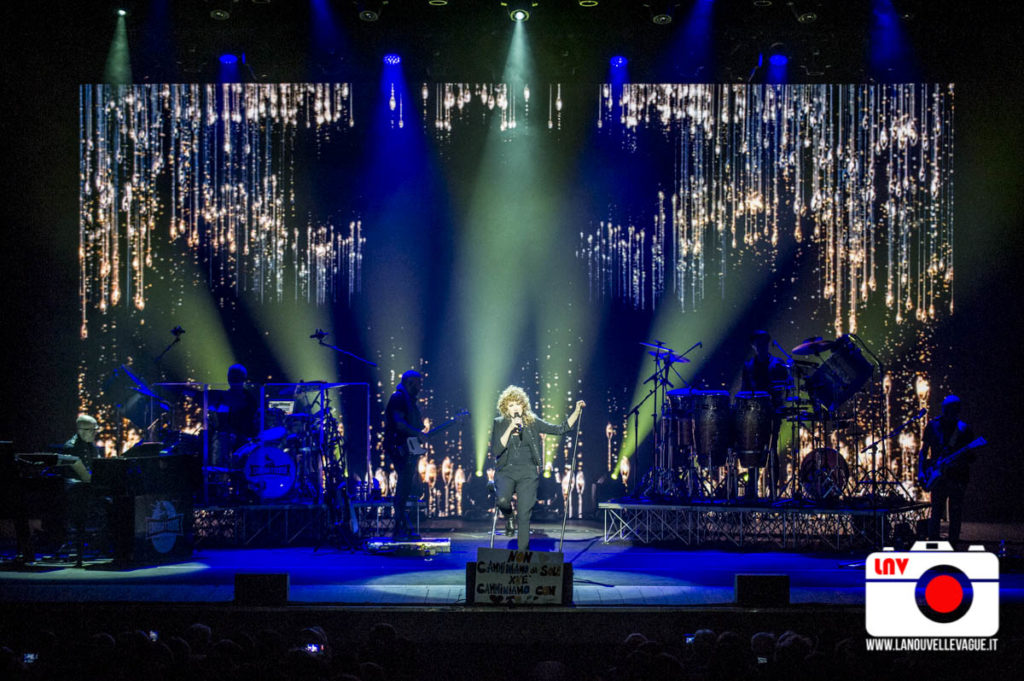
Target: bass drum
(269, 471)
(824, 474)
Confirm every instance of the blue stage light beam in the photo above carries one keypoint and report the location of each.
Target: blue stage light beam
(402, 192)
(890, 56)
(618, 75)
(690, 55)
(328, 46)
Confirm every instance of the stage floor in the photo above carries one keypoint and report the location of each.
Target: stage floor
(615, 574)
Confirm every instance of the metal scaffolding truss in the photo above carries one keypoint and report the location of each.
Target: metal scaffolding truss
(785, 528)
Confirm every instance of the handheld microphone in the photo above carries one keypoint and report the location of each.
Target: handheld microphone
(177, 331)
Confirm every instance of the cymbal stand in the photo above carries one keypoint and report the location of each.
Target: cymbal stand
(635, 413)
(659, 477)
(872, 475)
(885, 472)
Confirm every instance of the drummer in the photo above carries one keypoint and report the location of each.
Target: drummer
(236, 416)
(766, 373)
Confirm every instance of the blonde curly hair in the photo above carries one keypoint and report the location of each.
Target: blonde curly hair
(514, 393)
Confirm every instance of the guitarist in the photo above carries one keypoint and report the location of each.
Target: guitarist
(943, 436)
(402, 420)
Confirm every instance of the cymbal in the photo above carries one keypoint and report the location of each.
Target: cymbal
(813, 346)
(657, 346)
(668, 355)
(307, 387)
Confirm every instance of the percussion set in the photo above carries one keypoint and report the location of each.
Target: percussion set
(286, 461)
(297, 433)
(703, 437)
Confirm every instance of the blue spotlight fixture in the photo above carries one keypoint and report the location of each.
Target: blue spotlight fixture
(392, 59)
(778, 60)
(228, 59)
(619, 62)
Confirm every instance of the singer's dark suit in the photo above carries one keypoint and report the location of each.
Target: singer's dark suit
(517, 469)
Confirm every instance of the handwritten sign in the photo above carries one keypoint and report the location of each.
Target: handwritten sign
(504, 577)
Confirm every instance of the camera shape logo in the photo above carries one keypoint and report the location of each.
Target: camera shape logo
(932, 590)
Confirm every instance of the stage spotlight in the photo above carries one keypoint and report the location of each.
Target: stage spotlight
(587, 3)
(778, 55)
(370, 11)
(122, 12)
(518, 11)
(392, 59)
(437, 3)
(228, 59)
(662, 12)
(619, 62)
(801, 16)
(220, 14)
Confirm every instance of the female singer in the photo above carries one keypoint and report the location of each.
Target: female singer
(516, 445)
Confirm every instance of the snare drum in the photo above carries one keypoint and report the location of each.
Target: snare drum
(711, 434)
(269, 471)
(752, 427)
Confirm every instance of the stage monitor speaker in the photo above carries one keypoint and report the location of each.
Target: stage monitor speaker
(763, 591)
(261, 589)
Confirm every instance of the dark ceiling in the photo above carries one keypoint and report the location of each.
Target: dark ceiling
(179, 40)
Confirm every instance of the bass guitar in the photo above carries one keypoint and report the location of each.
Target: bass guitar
(416, 449)
(934, 472)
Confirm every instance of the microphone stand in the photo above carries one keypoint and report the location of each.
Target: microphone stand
(320, 335)
(572, 472)
(177, 332)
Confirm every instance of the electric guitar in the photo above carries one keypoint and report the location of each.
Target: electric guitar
(933, 473)
(416, 449)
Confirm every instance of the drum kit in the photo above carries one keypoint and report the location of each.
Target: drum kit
(286, 461)
(703, 437)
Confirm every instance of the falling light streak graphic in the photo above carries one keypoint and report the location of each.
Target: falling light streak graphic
(457, 104)
(211, 164)
(865, 170)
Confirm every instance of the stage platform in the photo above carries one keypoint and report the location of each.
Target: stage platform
(615, 574)
(785, 525)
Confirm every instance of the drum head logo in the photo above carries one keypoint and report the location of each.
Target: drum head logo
(163, 526)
